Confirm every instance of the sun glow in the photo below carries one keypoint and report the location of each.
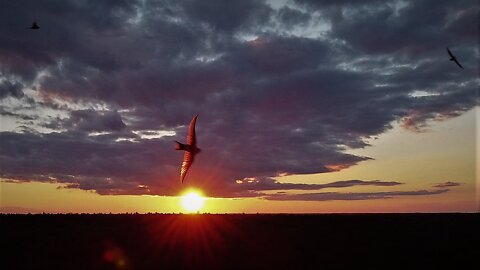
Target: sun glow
(192, 201)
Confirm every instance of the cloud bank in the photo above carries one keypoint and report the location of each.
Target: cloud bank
(96, 96)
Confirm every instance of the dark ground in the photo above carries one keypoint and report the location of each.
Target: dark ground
(163, 241)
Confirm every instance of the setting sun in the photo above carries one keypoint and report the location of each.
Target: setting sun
(192, 201)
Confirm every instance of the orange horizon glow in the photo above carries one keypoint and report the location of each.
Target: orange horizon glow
(398, 155)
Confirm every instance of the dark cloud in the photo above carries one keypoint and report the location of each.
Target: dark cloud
(255, 187)
(67, 29)
(9, 89)
(228, 16)
(447, 184)
(89, 162)
(411, 27)
(292, 17)
(264, 184)
(336, 196)
(330, 3)
(271, 102)
(89, 121)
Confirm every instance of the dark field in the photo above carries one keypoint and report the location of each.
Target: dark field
(163, 241)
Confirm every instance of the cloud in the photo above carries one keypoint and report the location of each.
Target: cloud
(263, 184)
(96, 163)
(89, 121)
(19, 116)
(447, 184)
(8, 88)
(336, 196)
(228, 17)
(256, 187)
(293, 17)
(398, 27)
(272, 100)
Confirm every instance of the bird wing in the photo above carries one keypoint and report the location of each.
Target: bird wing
(456, 61)
(191, 137)
(187, 162)
(189, 155)
(450, 53)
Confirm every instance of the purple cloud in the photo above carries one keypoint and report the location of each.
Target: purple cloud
(90, 121)
(447, 184)
(13, 89)
(264, 184)
(336, 196)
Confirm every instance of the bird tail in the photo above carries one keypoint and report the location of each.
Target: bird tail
(179, 146)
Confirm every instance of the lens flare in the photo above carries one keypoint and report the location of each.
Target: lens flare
(192, 201)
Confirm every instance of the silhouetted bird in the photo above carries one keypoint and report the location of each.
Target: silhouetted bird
(453, 58)
(190, 149)
(34, 26)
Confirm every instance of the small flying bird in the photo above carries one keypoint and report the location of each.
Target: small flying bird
(190, 149)
(34, 26)
(453, 58)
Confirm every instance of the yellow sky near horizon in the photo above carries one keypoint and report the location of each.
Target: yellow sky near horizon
(447, 151)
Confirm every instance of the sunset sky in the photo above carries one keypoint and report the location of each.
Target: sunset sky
(304, 106)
